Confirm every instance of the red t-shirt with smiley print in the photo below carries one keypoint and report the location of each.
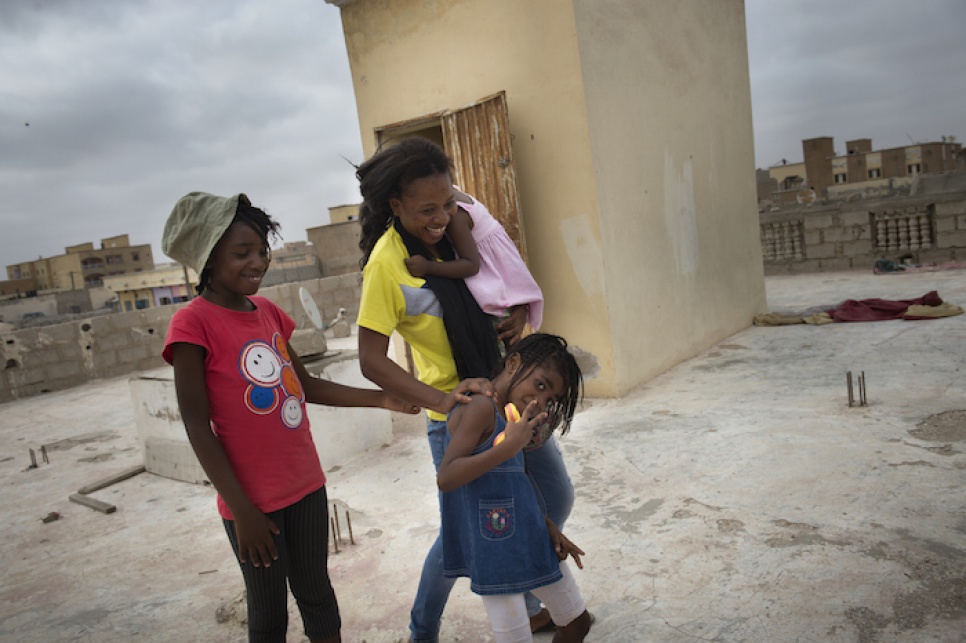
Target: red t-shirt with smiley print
(256, 401)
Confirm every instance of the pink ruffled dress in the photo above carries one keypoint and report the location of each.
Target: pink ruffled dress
(503, 280)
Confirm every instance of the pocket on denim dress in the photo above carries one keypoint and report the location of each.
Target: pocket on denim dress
(497, 519)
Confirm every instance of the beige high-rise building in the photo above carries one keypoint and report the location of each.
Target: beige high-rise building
(83, 265)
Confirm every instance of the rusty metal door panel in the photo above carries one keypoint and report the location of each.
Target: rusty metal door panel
(477, 138)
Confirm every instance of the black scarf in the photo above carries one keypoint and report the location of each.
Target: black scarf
(472, 337)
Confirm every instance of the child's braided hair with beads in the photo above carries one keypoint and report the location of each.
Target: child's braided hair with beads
(550, 352)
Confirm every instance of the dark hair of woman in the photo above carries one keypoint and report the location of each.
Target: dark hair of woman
(386, 175)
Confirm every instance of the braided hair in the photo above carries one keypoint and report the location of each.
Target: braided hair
(386, 175)
(550, 352)
(264, 225)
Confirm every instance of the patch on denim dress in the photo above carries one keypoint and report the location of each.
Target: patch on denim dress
(496, 519)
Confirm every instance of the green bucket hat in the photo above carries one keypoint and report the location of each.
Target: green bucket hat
(195, 225)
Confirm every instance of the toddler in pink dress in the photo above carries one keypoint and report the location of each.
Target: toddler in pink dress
(488, 262)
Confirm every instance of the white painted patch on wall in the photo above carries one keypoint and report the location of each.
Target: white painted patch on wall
(584, 253)
(680, 217)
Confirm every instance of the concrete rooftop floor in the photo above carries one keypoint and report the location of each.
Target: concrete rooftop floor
(734, 498)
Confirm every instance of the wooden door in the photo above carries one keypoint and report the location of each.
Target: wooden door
(477, 138)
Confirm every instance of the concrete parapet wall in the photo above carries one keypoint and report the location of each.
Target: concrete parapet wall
(854, 235)
(59, 356)
(339, 433)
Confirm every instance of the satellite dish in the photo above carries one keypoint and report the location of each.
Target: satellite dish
(308, 305)
(805, 196)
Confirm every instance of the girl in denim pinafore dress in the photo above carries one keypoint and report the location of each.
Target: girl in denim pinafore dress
(493, 529)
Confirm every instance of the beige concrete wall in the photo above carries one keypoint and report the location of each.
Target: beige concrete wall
(632, 140)
(669, 112)
(59, 356)
(411, 58)
(339, 433)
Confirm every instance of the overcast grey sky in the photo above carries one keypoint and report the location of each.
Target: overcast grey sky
(110, 110)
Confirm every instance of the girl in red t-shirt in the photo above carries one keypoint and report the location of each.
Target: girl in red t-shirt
(242, 392)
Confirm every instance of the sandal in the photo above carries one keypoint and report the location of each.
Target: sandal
(546, 627)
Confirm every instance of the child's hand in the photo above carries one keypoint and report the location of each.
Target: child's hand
(461, 394)
(512, 327)
(418, 265)
(399, 405)
(256, 544)
(519, 432)
(562, 546)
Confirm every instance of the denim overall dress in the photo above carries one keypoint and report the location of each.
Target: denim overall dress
(493, 530)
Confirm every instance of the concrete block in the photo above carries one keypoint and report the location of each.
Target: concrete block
(127, 321)
(836, 264)
(812, 237)
(309, 341)
(152, 316)
(859, 218)
(950, 208)
(133, 354)
(24, 376)
(57, 333)
(956, 239)
(821, 251)
(173, 459)
(937, 256)
(961, 222)
(30, 390)
(102, 360)
(806, 266)
(857, 248)
(26, 337)
(42, 356)
(149, 363)
(72, 353)
(945, 224)
(818, 222)
(339, 433)
(114, 340)
(64, 370)
(101, 324)
(838, 233)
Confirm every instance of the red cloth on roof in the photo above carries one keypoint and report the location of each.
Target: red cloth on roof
(880, 309)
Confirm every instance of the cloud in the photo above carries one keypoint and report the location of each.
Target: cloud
(889, 70)
(132, 104)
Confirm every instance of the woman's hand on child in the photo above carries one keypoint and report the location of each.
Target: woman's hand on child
(461, 394)
(418, 265)
(255, 532)
(562, 546)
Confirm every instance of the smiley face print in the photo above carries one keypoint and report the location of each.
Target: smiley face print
(260, 365)
(292, 412)
(273, 382)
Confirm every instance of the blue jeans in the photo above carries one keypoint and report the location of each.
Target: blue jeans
(555, 494)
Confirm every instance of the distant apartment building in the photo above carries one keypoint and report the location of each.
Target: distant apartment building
(337, 244)
(81, 266)
(826, 175)
(169, 283)
(343, 213)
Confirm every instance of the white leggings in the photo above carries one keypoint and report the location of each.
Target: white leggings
(508, 612)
